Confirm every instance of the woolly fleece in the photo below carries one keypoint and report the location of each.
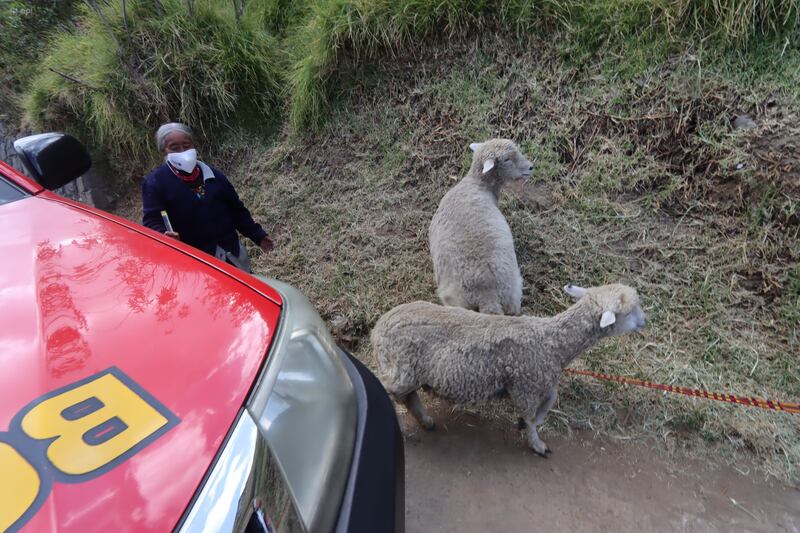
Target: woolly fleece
(468, 357)
(474, 261)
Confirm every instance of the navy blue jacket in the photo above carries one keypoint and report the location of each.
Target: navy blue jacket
(202, 222)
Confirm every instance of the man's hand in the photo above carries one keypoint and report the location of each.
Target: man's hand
(173, 234)
(266, 244)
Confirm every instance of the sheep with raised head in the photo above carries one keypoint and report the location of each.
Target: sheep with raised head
(467, 357)
(474, 262)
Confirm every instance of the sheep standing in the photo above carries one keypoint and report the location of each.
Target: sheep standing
(474, 262)
(469, 357)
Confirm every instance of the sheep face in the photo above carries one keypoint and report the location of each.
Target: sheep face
(501, 160)
(619, 305)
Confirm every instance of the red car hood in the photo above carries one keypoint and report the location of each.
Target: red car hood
(84, 297)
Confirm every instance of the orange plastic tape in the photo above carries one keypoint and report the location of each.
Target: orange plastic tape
(751, 401)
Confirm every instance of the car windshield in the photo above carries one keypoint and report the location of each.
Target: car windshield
(9, 192)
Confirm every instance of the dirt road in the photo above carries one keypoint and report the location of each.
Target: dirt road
(474, 476)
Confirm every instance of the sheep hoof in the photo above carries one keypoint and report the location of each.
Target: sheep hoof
(546, 453)
(428, 424)
(540, 448)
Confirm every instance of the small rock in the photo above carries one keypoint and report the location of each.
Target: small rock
(743, 121)
(339, 322)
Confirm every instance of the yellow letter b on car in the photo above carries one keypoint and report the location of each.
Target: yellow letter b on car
(92, 424)
(83, 429)
(20, 485)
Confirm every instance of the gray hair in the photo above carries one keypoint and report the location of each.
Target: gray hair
(169, 127)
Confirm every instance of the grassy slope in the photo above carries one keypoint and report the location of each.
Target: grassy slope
(128, 66)
(333, 30)
(640, 179)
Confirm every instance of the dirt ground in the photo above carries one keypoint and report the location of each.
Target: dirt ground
(472, 475)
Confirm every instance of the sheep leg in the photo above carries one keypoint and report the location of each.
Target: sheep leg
(538, 419)
(490, 308)
(537, 444)
(414, 405)
(512, 309)
(453, 298)
(546, 405)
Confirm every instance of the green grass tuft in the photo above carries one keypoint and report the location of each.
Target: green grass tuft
(738, 20)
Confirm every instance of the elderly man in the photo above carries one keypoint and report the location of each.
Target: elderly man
(188, 200)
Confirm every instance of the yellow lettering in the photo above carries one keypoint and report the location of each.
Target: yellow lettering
(93, 424)
(19, 488)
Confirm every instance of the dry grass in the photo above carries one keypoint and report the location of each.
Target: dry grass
(334, 32)
(640, 179)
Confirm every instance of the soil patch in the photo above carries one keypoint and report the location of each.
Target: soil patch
(473, 475)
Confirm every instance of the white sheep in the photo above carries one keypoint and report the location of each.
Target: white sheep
(467, 357)
(474, 262)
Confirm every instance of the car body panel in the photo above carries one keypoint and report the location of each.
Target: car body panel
(83, 292)
(20, 180)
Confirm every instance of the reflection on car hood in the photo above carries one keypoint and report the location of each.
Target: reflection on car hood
(82, 296)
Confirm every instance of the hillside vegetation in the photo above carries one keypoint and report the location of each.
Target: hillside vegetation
(344, 122)
(639, 178)
(125, 67)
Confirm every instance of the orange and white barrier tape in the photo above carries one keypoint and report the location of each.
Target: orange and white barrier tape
(751, 401)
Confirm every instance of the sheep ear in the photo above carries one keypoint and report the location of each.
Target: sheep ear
(488, 165)
(474, 146)
(607, 319)
(575, 291)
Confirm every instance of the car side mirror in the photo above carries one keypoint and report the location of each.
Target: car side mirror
(53, 159)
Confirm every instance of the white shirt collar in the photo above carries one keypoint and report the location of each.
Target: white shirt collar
(208, 174)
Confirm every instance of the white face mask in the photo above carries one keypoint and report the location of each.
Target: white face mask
(183, 161)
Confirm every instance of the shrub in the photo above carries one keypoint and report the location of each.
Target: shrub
(119, 76)
(24, 29)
